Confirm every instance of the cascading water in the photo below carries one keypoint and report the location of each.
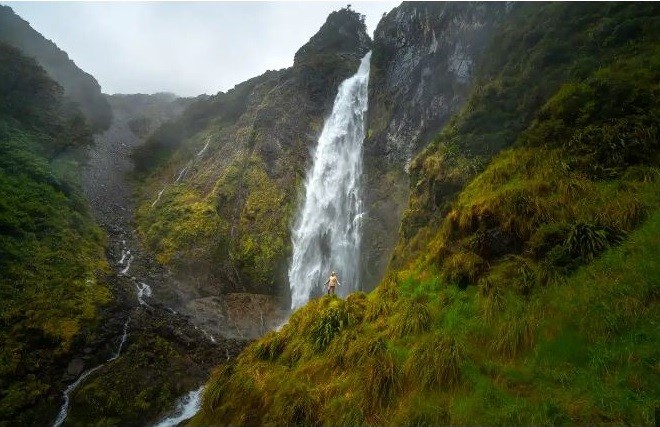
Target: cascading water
(327, 233)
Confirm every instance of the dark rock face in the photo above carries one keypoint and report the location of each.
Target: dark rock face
(79, 86)
(424, 57)
(422, 67)
(342, 33)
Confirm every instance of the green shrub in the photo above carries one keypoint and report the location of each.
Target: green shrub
(589, 240)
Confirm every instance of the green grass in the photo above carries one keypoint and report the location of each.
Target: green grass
(524, 289)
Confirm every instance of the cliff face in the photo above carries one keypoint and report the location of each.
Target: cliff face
(219, 207)
(78, 86)
(524, 289)
(423, 63)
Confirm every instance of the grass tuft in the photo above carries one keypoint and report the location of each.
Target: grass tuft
(436, 362)
(412, 318)
(270, 346)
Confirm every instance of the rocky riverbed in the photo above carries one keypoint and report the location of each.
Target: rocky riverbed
(174, 334)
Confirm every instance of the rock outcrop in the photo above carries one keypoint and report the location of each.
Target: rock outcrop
(423, 63)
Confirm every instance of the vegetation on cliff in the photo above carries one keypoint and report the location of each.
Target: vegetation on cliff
(225, 211)
(524, 289)
(51, 253)
(78, 86)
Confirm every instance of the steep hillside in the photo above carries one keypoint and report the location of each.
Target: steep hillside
(218, 207)
(422, 72)
(78, 86)
(51, 252)
(524, 288)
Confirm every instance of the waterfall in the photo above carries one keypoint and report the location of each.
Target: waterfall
(326, 236)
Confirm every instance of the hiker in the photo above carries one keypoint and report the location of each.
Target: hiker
(332, 282)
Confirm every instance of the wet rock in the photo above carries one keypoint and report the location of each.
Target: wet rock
(75, 367)
(422, 71)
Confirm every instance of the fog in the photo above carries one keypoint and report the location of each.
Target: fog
(188, 48)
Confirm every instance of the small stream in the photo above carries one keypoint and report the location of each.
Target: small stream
(186, 408)
(64, 410)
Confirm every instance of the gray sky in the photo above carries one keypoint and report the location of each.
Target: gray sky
(187, 48)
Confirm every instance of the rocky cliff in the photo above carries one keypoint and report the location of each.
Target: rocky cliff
(218, 208)
(79, 86)
(524, 287)
(423, 67)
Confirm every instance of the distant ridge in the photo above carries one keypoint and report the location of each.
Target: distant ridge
(78, 85)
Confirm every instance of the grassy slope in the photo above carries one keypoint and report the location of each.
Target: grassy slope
(525, 286)
(51, 253)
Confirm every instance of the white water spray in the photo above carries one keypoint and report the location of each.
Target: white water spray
(327, 233)
(143, 290)
(186, 408)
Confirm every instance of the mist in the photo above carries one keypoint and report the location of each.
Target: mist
(185, 48)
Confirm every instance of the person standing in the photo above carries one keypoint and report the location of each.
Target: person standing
(332, 282)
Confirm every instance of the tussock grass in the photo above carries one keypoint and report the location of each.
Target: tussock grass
(216, 387)
(625, 213)
(490, 299)
(412, 318)
(270, 346)
(344, 410)
(463, 268)
(330, 322)
(295, 404)
(436, 362)
(381, 378)
(356, 307)
(422, 410)
(381, 301)
(364, 348)
(516, 332)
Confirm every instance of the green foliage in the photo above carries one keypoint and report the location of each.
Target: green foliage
(589, 240)
(329, 323)
(51, 252)
(413, 318)
(436, 362)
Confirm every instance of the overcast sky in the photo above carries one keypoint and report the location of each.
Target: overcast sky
(186, 48)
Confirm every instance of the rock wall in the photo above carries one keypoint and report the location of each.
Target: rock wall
(423, 59)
